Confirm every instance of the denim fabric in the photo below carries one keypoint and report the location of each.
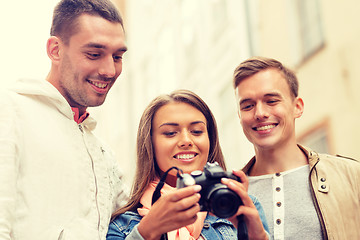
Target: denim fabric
(261, 212)
(214, 228)
(124, 226)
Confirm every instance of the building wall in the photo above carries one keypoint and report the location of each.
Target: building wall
(197, 45)
(328, 77)
(176, 44)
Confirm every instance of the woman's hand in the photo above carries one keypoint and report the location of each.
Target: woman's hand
(252, 219)
(170, 212)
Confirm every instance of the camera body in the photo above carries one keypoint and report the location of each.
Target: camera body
(215, 196)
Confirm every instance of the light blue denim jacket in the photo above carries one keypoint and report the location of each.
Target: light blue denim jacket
(125, 226)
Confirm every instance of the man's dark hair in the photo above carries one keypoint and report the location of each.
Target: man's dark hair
(67, 12)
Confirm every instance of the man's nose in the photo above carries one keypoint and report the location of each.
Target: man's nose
(108, 67)
(261, 111)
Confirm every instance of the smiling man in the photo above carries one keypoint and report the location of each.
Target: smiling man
(57, 179)
(305, 195)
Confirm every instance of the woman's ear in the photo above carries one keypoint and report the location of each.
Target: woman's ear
(53, 49)
(299, 107)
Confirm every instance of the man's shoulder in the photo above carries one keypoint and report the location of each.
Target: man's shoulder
(339, 163)
(338, 158)
(22, 89)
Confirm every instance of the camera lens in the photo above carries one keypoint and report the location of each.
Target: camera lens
(223, 202)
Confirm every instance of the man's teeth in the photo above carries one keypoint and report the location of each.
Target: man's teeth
(99, 85)
(185, 156)
(263, 128)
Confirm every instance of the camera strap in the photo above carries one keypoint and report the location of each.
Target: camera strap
(159, 186)
(157, 193)
(242, 233)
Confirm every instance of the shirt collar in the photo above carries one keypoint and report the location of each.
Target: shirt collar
(79, 119)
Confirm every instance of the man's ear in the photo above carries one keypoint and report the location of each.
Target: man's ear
(299, 107)
(237, 104)
(238, 113)
(53, 49)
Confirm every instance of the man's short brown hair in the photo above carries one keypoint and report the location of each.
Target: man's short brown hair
(254, 65)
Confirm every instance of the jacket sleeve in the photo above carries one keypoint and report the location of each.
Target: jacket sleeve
(261, 213)
(9, 164)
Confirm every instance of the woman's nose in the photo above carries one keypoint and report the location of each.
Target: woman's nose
(185, 140)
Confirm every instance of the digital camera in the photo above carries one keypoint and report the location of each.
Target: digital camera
(215, 196)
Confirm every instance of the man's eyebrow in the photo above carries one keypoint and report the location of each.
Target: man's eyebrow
(244, 100)
(93, 45)
(271, 94)
(101, 46)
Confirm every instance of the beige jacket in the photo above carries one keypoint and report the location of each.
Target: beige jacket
(335, 187)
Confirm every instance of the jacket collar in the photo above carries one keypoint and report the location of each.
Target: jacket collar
(45, 91)
(312, 156)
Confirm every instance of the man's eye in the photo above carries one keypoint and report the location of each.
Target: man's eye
(93, 55)
(117, 58)
(246, 107)
(272, 101)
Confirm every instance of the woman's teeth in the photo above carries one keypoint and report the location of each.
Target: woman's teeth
(185, 156)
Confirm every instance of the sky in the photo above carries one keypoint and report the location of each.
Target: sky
(25, 27)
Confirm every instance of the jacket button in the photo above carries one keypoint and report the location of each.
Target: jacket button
(278, 221)
(278, 204)
(277, 174)
(206, 225)
(278, 189)
(323, 179)
(323, 186)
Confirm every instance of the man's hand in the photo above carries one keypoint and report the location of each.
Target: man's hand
(252, 219)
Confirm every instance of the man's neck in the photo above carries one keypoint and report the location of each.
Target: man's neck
(280, 159)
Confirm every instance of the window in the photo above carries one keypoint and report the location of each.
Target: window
(317, 138)
(306, 29)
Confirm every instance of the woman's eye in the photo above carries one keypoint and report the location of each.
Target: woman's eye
(169, 134)
(197, 132)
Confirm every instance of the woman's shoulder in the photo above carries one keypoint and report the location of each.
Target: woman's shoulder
(125, 221)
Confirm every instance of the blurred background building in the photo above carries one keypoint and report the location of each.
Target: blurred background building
(196, 44)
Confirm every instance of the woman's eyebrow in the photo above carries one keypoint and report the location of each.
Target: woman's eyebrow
(169, 124)
(176, 124)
